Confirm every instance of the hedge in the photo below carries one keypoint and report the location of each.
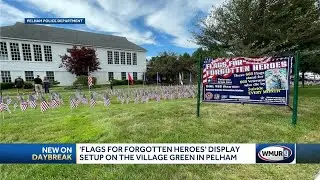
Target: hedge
(83, 81)
(27, 85)
(125, 82)
(7, 85)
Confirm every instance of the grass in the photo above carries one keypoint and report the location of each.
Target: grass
(170, 121)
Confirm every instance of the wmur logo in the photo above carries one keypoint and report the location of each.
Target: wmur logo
(275, 153)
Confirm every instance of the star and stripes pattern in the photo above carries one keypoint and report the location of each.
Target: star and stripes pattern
(92, 101)
(44, 105)
(32, 101)
(90, 80)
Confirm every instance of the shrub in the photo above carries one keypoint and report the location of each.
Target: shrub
(83, 81)
(125, 82)
(7, 85)
(28, 85)
(54, 83)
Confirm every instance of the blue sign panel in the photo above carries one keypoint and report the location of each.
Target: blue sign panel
(263, 80)
(54, 20)
(37, 153)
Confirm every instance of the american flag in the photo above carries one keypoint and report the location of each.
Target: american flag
(4, 107)
(92, 101)
(1, 106)
(8, 100)
(15, 105)
(90, 80)
(122, 100)
(73, 103)
(32, 101)
(84, 99)
(77, 101)
(54, 103)
(23, 104)
(128, 99)
(136, 100)
(60, 99)
(44, 105)
(106, 101)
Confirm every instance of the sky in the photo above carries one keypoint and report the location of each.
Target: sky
(156, 25)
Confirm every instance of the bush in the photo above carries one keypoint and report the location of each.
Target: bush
(116, 82)
(28, 85)
(54, 83)
(83, 81)
(7, 85)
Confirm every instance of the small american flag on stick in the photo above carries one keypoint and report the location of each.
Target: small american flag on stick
(4, 107)
(89, 80)
(73, 103)
(23, 104)
(9, 100)
(44, 105)
(32, 101)
(15, 105)
(92, 101)
(106, 100)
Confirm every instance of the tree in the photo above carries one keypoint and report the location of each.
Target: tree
(265, 27)
(80, 61)
(259, 27)
(169, 65)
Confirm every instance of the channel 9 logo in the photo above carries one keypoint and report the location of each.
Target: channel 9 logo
(275, 153)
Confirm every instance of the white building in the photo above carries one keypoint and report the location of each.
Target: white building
(29, 50)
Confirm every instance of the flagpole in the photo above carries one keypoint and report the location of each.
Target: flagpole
(144, 78)
(128, 82)
(88, 79)
(157, 78)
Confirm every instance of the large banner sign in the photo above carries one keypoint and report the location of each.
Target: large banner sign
(263, 80)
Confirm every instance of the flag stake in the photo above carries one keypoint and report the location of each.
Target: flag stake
(199, 81)
(296, 87)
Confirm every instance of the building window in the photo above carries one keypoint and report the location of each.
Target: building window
(47, 53)
(37, 52)
(110, 75)
(26, 51)
(29, 75)
(123, 58)
(15, 53)
(116, 57)
(134, 58)
(110, 58)
(123, 76)
(3, 51)
(5, 76)
(129, 58)
(50, 75)
(135, 76)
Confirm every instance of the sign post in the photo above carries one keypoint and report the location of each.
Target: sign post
(199, 86)
(295, 90)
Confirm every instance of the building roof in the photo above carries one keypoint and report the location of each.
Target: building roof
(68, 36)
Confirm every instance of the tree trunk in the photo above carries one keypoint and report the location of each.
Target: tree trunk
(303, 79)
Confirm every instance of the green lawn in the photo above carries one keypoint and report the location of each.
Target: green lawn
(170, 121)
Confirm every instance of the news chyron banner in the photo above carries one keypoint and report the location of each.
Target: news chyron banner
(263, 80)
(159, 153)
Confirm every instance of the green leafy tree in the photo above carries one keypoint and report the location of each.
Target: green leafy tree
(251, 27)
(264, 27)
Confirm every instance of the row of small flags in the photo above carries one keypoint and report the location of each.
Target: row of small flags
(123, 96)
(55, 101)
